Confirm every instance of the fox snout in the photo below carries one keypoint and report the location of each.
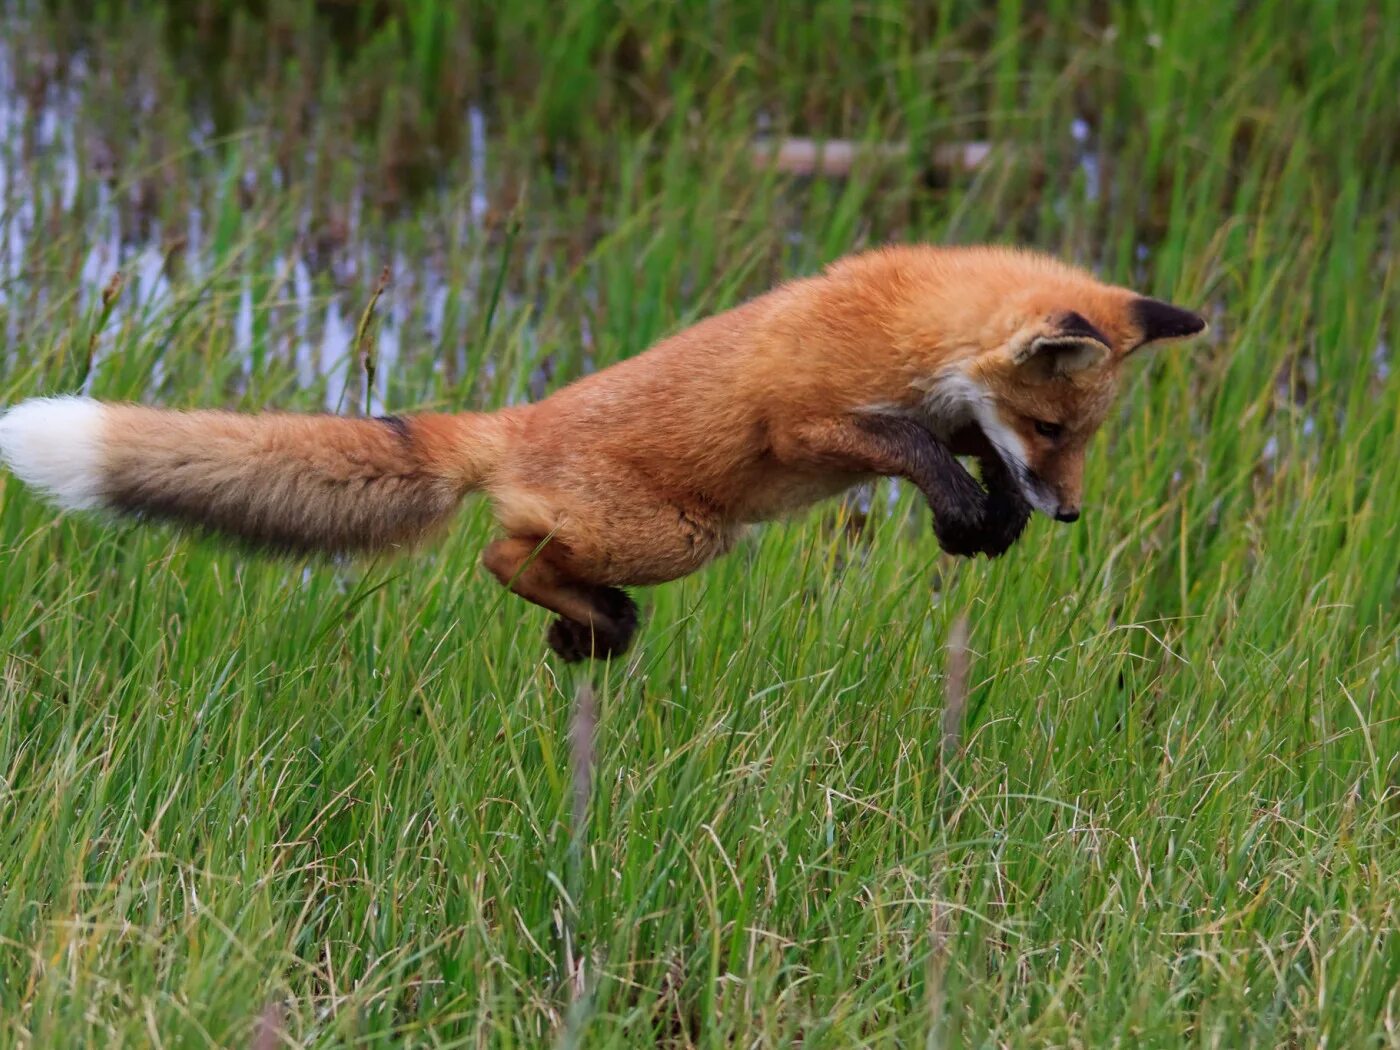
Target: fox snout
(1063, 502)
(1063, 498)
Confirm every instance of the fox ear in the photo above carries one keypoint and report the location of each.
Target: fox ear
(1159, 322)
(1069, 345)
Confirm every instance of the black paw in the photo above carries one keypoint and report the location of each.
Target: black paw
(984, 521)
(620, 609)
(958, 503)
(609, 635)
(571, 640)
(959, 534)
(1006, 519)
(1005, 511)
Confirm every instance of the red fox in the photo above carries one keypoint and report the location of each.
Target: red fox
(890, 363)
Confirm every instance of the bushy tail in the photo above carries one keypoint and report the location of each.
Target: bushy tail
(297, 483)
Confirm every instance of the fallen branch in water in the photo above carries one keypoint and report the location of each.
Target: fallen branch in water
(836, 158)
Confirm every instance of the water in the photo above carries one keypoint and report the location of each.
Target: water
(302, 308)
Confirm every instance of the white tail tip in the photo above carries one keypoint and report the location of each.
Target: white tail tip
(55, 445)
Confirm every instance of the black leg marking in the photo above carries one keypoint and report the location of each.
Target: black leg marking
(968, 518)
(1006, 509)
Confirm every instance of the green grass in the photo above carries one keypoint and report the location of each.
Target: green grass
(229, 786)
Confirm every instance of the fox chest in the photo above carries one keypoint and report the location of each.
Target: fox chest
(782, 493)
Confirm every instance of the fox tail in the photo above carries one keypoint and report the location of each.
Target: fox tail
(295, 483)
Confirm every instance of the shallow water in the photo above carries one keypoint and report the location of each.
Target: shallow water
(300, 307)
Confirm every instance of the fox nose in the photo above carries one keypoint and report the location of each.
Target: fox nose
(1067, 514)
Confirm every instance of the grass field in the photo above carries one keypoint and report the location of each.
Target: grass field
(265, 803)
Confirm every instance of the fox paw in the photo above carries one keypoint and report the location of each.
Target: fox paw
(1005, 510)
(1005, 520)
(609, 635)
(998, 521)
(959, 535)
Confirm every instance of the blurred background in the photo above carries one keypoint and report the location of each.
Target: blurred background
(331, 805)
(557, 185)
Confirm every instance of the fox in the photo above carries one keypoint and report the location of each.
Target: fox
(896, 362)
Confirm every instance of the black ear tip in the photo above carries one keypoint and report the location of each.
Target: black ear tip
(1159, 320)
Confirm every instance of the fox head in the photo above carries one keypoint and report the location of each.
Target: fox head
(1031, 360)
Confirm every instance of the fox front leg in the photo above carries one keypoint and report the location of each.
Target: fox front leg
(892, 446)
(1005, 510)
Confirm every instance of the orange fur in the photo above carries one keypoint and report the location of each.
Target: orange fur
(645, 471)
(294, 482)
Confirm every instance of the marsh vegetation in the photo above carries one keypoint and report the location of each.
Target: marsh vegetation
(339, 797)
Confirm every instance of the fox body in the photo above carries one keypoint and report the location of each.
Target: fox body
(890, 363)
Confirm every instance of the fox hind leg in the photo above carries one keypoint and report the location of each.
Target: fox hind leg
(595, 622)
(575, 641)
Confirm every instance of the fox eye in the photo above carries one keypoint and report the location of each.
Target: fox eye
(1049, 430)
